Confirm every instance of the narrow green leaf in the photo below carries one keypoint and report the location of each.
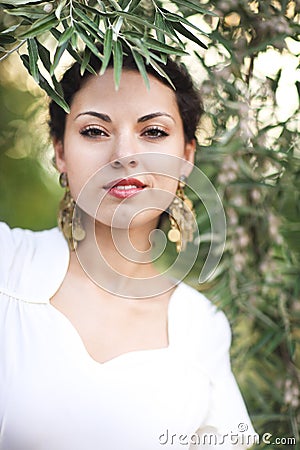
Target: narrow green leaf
(172, 32)
(66, 35)
(291, 345)
(55, 33)
(124, 4)
(118, 62)
(95, 12)
(60, 8)
(159, 22)
(149, 43)
(40, 26)
(98, 19)
(185, 32)
(129, 5)
(57, 86)
(107, 49)
(117, 25)
(70, 50)
(161, 72)
(47, 88)
(136, 36)
(33, 59)
(74, 40)
(91, 32)
(21, 2)
(54, 95)
(65, 23)
(101, 4)
(141, 66)
(58, 54)
(194, 7)
(86, 39)
(115, 5)
(29, 12)
(144, 22)
(276, 339)
(85, 60)
(10, 29)
(86, 21)
(156, 45)
(6, 39)
(162, 57)
(133, 40)
(44, 55)
(133, 4)
(172, 17)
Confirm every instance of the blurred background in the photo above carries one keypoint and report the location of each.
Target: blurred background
(249, 148)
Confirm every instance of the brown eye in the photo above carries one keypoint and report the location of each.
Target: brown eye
(93, 132)
(155, 132)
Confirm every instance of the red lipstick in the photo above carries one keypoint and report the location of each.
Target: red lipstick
(124, 188)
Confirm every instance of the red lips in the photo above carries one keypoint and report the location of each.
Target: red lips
(125, 187)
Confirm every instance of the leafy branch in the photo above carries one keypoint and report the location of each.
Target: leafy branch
(82, 27)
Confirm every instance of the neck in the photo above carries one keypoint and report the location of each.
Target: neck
(120, 260)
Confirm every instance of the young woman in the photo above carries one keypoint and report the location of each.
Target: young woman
(97, 349)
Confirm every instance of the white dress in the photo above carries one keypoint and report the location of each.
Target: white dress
(54, 396)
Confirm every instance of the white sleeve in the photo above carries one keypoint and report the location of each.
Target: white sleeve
(227, 425)
(32, 263)
(10, 242)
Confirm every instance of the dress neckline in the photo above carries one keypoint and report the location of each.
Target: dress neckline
(77, 340)
(131, 355)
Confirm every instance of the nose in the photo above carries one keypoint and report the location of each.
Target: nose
(125, 150)
(126, 161)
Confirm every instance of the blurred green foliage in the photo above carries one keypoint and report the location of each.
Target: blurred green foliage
(29, 195)
(249, 148)
(252, 154)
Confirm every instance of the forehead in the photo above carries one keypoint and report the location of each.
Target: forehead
(100, 92)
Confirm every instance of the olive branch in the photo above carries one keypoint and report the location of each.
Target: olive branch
(80, 27)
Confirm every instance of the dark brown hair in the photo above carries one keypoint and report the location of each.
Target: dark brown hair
(187, 96)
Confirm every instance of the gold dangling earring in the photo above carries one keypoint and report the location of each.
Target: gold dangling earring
(182, 218)
(69, 216)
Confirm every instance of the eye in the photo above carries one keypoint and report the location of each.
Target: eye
(93, 132)
(155, 132)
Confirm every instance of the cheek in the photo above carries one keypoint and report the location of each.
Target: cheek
(82, 168)
(174, 146)
(167, 185)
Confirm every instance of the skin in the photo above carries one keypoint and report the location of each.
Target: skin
(105, 126)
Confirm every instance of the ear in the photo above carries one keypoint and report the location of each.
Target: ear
(60, 161)
(189, 156)
(189, 151)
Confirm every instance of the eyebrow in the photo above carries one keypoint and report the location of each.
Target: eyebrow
(101, 116)
(153, 116)
(107, 119)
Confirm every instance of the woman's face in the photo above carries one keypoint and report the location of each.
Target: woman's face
(124, 149)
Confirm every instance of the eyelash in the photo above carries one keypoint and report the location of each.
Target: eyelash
(155, 133)
(94, 132)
